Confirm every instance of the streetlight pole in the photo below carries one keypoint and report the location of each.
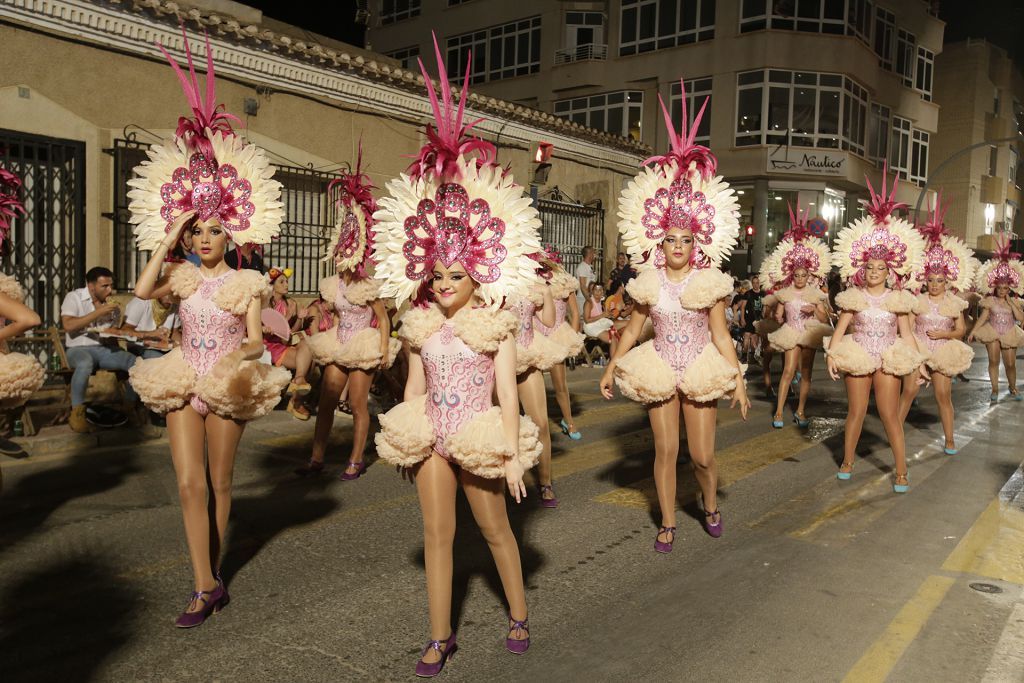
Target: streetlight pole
(965, 150)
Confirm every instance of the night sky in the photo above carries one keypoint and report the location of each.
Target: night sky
(337, 22)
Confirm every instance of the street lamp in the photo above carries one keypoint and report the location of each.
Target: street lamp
(990, 217)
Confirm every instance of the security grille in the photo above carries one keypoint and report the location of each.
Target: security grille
(570, 227)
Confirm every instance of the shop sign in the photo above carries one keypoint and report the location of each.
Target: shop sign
(810, 162)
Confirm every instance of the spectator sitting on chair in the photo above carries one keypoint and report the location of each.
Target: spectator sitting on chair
(154, 321)
(85, 308)
(597, 322)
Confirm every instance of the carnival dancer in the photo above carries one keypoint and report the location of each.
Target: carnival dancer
(21, 375)
(455, 235)
(769, 275)
(938, 318)
(361, 343)
(803, 263)
(564, 332)
(870, 253)
(679, 222)
(206, 180)
(999, 324)
(282, 352)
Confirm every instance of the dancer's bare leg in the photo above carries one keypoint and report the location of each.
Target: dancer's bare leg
(700, 441)
(806, 368)
(535, 404)
(858, 390)
(436, 483)
(887, 400)
(222, 438)
(911, 389)
(944, 398)
(1010, 365)
(993, 365)
(558, 380)
(359, 383)
(665, 418)
(790, 362)
(334, 380)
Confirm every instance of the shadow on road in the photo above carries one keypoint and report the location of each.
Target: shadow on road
(61, 622)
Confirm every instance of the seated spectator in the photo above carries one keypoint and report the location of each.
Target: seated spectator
(153, 321)
(318, 317)
(283, 352)
(621, 274)
(84, 309)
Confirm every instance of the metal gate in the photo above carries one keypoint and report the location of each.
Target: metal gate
(570, 227)
(47, 254)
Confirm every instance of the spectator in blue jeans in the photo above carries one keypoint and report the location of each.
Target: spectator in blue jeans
(84, 309)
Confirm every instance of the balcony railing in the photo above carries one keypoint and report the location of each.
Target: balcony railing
(580, 53)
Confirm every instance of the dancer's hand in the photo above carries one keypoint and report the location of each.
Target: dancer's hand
(833, 371)
(385, 352)
(807, 309)
(923, 370)
(936, 334)
(740, 397)
(174, 233)
(970, 338)
(514, 479)
(607, 381)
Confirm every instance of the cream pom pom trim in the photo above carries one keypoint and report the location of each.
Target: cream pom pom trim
(709, 376)
(950, 358)
(363, 293)
(899, 301)
(851, 300)
(21, 376)
(542, 354)
(165, 383)
(784, 338)
(851, 358)
(643, 376)
(10, 288)
(243, 390)
(419, 323)
(570, 340)
(329, 289)
(901, 359)
(479, 445)
(645, 288)
(814, 333)
(406, 436)
(481, 329)
(563, 284)
(185, 280)
(705, 288)
(950, 306)
(362, 351)
(987, 334)
(765, 326)
(239, 290)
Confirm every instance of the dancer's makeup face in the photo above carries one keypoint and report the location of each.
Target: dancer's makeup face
(677, 248)
(800, 277)
(1002, 290)
(936, 284)
(875, 272)
(209, 241)
(452, 287)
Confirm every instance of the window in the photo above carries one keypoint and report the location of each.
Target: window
(879, 125)
(618, 112)
(584, 28)
(697, 90)
(647, 25)
(1014, 161)
(990, 218)
(919, 157)
(1011, 214)
(800, 108)
(995, 101)
(885, 32)
(813, 16)
(504, 51)
(906, 50)
(858, 19)
(899, 149)
(925, 69)
(396, 10)
(1018, 116)
(407, 56)
(993, 156)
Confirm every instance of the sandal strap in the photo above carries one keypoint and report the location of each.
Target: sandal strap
(712, 513)
(434, 645)
(516, 624)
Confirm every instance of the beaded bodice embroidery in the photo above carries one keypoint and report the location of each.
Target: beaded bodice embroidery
(875, 326)
(795, 317)
(460, 382)
(524, 310)
(352, 319)
(208, 332)
(1000, 317)
(680, 334)
(931, 319)
(561, 306)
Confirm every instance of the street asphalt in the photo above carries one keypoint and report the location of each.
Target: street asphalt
(813, 580)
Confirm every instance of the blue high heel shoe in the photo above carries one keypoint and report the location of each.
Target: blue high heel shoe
(778, 423)
(575, 436)
(796, 378)
(993, 397)
(844, 476)
(949, 451)
(801, 422)
(898, 487)
(1015, 396)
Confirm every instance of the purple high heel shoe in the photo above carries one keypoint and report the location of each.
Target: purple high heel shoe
(665, 546)
(350, 476)
(551, 502)
(714, 529)
(425, 670)
(518, 647)
(212, 601)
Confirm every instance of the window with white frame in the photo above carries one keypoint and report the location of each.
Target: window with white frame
(617, 112)
(407, 56)
(859, 15)
(919, 156)
(1011, 176)
(800, 108)
(646, 25)
(906, 54)
(885, 35)
(925, 73)
(503, 51)
(697, 90)
(813, 16)
(396, 10)
(899, 147)
(584, 28)
(879, 127)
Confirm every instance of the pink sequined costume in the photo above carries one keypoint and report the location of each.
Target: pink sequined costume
(213, 324)
(681, 357)
(355, 341)
(1000, 325)
(562, 285)
(456, 417)
(947, 356)
(799, 328)
(875, 343)
(21, 375)
(533, 350)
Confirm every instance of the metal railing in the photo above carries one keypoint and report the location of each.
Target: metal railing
(569, 227)
(581, 53)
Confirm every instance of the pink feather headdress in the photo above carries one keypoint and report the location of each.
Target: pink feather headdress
(354, 230)
(1008, 266)
(684, 150)
(10, 204)
(944, 255)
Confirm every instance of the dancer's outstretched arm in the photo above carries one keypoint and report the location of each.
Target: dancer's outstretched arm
(508, 400)
(627, 338)
(722, 340)
(845, 318)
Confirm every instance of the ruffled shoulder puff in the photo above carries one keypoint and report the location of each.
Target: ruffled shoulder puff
(951, 305)
(645, 288)
(534, 295)
(185, 280)
(483, 329)
(10, 288)
(851, 300)
(563, 284)
(419, 323)
(988, 302)
(329, 289)
(235, 295)
(705, 288)
(363, 292)
(900, 301)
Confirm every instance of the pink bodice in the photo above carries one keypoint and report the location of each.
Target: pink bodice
(524, 310)
(875, 327)
(931, 319)
(208, 333)
(561, 306)
(352, 319)
(680, 334)
(796, 318)
(459, 383)
(1001, 318)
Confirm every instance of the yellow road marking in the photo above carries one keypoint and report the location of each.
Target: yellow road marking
(881, 657)
(993, 547)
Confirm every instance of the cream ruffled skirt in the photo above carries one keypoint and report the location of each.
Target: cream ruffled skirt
(242, 391)
(20, 377)
(787, 337)
(643, 376)
(1013, 339)
(542, 353)
(899, 359)
(362, 351)
(406, 437)
(950, 358)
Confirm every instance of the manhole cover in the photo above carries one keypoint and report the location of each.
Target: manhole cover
(986, 587)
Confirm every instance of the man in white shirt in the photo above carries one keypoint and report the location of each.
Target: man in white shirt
(82, 309)
(139, 321)
(585, 274)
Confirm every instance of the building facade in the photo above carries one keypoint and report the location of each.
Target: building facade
(84, 91)
(806, 97)
(981, 93)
